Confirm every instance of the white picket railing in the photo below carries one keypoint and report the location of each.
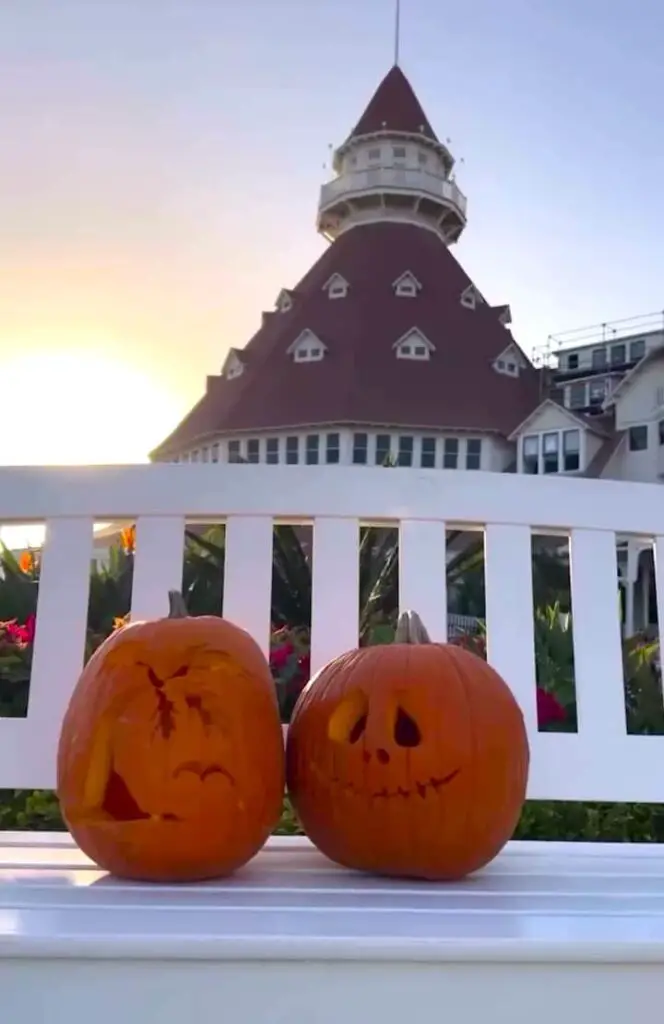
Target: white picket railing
(600, 762)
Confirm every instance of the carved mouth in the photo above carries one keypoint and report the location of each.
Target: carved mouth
(420, 789)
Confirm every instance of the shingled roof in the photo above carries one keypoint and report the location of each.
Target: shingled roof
(360, 380)
(394, 107)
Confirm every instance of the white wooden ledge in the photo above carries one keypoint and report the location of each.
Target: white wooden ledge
(293, 934)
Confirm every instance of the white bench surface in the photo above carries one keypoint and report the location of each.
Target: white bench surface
(537, 902)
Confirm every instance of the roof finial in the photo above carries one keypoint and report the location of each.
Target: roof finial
(397, 30)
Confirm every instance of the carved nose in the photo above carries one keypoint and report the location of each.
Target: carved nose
(382, 756)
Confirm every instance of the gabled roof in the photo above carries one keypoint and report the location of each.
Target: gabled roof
(586, 422)
(360, 381)
(416, 335)
(306, 335)
(407, 277)
(394, 107)
(628, 379)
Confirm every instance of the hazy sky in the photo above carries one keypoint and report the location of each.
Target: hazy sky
(161, 160)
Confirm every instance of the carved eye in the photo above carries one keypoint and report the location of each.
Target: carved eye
(358, 729)
(349, 719)
(406, 730)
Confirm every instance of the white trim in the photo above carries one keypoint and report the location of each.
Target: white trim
(471, 297)
(233, 366)
(306, 347)
(524, 425)
(413, 337)
(284, 301)
(336, 287)
(406, 285)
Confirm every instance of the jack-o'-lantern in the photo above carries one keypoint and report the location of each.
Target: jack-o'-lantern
(408, 759)
(171, 758)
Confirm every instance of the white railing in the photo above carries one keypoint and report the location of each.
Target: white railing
(393, 177)
(599, 762)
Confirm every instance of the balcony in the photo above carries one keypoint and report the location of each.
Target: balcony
(399, 179)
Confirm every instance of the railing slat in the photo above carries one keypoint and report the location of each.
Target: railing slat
(658, 558)
(598, 669)
(335, 589)
(422, 582)
(509, 613)
(248, 575)
(59, 646)
(158, 564)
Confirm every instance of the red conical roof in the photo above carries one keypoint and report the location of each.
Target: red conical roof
(394, 107)
(360, 380)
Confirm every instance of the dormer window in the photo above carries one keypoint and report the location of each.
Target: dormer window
(510, 362)
(233, 366)
(470, 297)
(414, 345)
(284, 301)
(336, 287)
(307, 348)
(407, 286)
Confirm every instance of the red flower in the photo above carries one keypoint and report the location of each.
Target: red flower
(548, 708)
(279, 656)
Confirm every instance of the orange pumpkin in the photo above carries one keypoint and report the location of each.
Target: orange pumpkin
(171, 759)
(409, 759)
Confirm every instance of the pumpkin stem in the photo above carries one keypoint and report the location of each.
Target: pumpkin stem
(411, 630)
(177, 609)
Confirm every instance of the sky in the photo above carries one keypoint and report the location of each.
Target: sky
(161, 161)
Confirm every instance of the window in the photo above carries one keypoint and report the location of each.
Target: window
(473, 453)
(512, 368)
(530, 453)
(450, 452)
(422, 158)
(597, 392)
(618, 355)
(573, 361)
(360, 445)
(234, 451)
(253, 450)
(428, 456)
(500, 364)
(577, 396)
(399, 152)
(637, 349)
(413, 345)
(550, 461)
(469, 297)
(598, 358)
(205, 454)
(272, 451)
(306, 348)
(383, 449)
(215, 452)
(638, 438)
(312, 449)
(292, 450)
(406, 286)
(571, 447)
(659, 397)
(405, 453)
(194, 455)
(660, 431)
(332, 449)
(308, 353)
(373, 155)
(338, 290)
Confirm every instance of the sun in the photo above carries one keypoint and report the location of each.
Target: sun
(81, 406)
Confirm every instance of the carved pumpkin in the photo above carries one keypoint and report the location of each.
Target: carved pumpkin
(171, 759)
(409, 759)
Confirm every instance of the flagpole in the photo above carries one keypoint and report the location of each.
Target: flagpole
(397, 31)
